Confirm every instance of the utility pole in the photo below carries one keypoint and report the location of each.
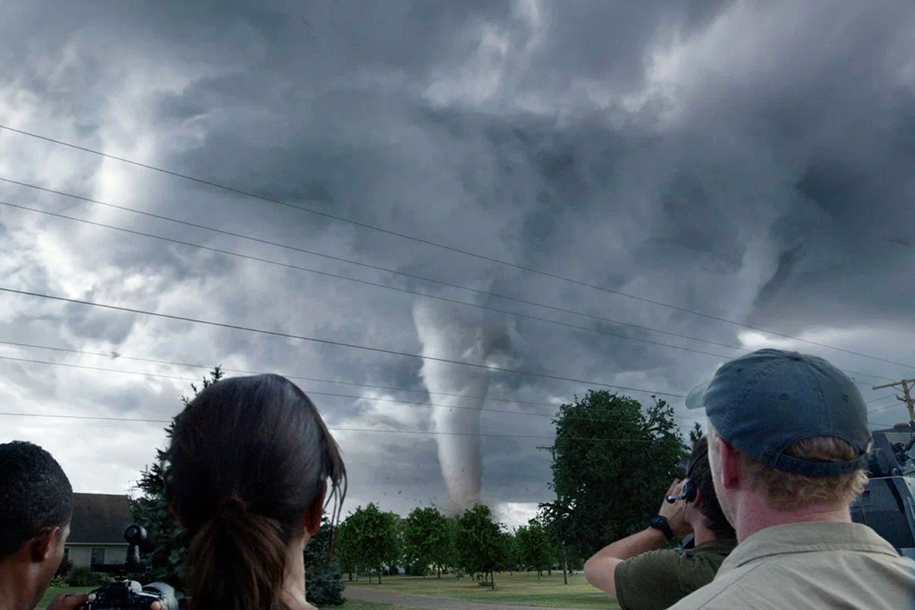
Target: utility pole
(565, 561)
(907, 386)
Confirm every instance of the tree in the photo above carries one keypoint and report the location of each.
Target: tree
(695, 434)
(480, 545)
(508, 552)
(347, 549)
(151, 510)
(370, 539)
(609, 485)
(323, 584)
(427, 539)
(513, 561)
(534, 548)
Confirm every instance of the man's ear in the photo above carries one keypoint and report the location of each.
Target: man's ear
(728, 464)
(42, 545)
(313, 518)
(698, 501)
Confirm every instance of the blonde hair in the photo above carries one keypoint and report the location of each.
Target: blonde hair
(791, 491)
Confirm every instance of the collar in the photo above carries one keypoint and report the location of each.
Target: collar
(806, 538)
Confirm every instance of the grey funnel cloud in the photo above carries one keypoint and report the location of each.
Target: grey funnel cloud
(457, 335)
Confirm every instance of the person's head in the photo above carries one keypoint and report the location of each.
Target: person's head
(705, 506)
(787, 428)
(250, 458)
(36, 502)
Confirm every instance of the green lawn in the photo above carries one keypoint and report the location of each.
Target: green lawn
(54, 591)
(519, 589)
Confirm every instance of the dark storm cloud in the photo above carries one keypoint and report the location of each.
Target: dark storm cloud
(748, 160)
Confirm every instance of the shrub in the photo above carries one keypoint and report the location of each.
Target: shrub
(65, 566)
(85, 577)
(81, 577)
(59, 582)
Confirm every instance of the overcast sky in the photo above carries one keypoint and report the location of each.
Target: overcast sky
(752, 161)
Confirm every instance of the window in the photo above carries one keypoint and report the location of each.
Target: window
(98, 555)
(66, 552)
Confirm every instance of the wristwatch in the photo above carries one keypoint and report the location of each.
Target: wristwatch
(660, 523)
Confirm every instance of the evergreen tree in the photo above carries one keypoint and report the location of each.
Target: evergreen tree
(695, 434)
(150, 510)
(323, 583)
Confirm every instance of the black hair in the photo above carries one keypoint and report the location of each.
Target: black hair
(250, 459)
(701, 475)
(35, 495)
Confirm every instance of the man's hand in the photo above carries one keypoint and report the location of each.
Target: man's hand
(674, 513)
(68, 602)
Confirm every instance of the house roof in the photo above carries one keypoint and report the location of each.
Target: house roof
(99, 519)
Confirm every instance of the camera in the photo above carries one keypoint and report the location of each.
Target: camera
(126, 594)
(130, 595)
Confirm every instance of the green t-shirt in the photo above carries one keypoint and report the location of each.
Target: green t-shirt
(659, 579)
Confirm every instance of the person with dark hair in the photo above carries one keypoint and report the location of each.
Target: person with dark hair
(643, 576)
(36, 502)
(250, 462)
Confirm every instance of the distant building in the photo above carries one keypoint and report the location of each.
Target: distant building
(97, 529)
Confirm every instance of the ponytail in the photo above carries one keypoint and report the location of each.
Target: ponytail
(237, 561)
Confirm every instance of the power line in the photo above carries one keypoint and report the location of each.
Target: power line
(884, 408)
(365, 282)
(329, 394)
(873, 400)
(442, 246)
(118, 356)
(331, 342)
(349, 262)
(383, 269)
(317, 393)
(367, 430)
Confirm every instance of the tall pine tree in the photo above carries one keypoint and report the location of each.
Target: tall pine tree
(166, 563)
(323, 581)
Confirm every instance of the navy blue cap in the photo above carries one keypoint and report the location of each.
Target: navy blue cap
(766, 401)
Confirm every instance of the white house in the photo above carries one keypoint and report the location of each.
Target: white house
(97, 529)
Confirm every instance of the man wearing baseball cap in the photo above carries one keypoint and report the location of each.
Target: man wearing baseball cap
(788, 444)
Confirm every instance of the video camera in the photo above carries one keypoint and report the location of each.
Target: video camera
(887, 504)
(126, 594)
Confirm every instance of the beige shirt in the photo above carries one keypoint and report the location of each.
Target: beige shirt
(810, 565)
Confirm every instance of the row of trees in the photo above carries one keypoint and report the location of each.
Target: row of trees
(612, 461)
(372, 543)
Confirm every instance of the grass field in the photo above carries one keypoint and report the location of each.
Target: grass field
(522, 589)
(54, 591)
(519, 589)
